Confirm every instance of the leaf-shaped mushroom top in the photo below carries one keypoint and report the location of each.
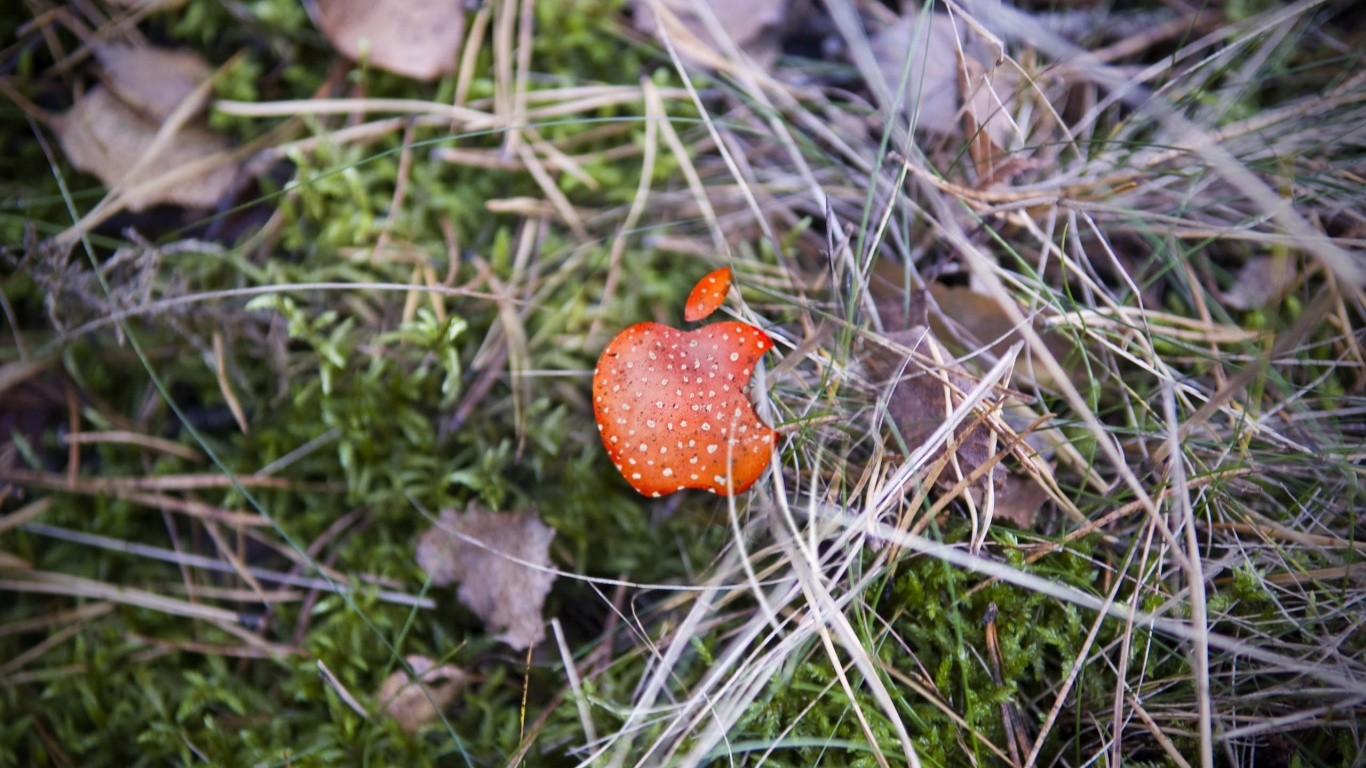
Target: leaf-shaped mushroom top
(708, 295)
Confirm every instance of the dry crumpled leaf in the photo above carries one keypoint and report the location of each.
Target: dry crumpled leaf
(404, 699)
(935, 84)
(152, 80)
(753, 25)
(1019, 500)
(106, 137)
(920, 401)
(965, 319)
(416, 38)
(981, 318)
(1261, 280)
(503, 592)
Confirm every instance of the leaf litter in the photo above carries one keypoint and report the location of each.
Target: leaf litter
(927, 384)
(150, 79)
(922, 395)
(504, 578)
(416, 38)
(414, 703)
(104, 136)
(754, 27)
(934, 51)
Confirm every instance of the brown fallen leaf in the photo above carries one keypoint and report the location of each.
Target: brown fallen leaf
(965, 320)
(416, 38)
(416, 703)
(1262, 280)
(754, 26)
(104, 136)
(987, 99)
(152, 80)
(978, 319)
(504, 593)
(935, 84)
(1019, 500)
(920, 402)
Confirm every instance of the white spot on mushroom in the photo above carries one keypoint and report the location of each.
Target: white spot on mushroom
(635, 475)
(734, 356)
(668, 472)
(712, 448)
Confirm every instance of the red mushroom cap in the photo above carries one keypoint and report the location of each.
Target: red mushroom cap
(671, 407)
(707, 295)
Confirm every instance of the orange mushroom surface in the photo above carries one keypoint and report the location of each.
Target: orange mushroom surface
(707, 295)
(672, 411)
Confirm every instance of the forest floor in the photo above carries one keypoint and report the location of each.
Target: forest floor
(302, 305)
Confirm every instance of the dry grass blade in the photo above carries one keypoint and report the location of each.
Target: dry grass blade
(335, 583)
(159, 444)
(47, 582)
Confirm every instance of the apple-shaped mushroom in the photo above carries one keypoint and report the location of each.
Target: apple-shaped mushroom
(671, 407)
